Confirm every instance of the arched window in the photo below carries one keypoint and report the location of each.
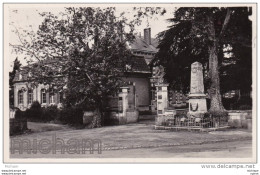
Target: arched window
(60, 97)
(51, 98)
(30, 96)
(43, 96)
(20, 97)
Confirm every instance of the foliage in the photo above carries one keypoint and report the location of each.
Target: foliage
(245, 107)
(216, 115)
(49, 113)
(16, 67)
(19, 114)
(35, 105)
(84, 49)
(71, 115)
(147, 112)
(34, 113)
(204, 34)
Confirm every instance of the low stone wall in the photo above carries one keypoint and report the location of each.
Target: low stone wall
(132, 116)
(161, 119)
(17, 125)
(117, 118)
(240, 119)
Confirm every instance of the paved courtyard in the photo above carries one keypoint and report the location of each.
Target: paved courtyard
(142, 140)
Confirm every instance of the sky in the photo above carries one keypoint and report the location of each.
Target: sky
(29, 18)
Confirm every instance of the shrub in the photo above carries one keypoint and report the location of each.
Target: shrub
(244, 103)
(145, 113)
(71, 115)
(19, 114)
(34, 113)
(49, 113)
(38, 114)
(218, 114)
(245, 107)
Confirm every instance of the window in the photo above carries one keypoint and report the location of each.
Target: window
(60, 97)
(51, 98)
(30, 96)
(20, 97)
(43, 96)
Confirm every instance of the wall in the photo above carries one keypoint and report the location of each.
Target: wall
(240, 119)
(142, 89)
(36, 95)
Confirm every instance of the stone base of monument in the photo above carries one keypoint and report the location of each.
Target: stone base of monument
(197, 105)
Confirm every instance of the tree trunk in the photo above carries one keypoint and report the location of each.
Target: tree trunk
(216, 101)
(96, 120)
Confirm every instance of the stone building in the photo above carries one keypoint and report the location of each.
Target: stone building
(143, 49)
(27, 91)
(146, 47)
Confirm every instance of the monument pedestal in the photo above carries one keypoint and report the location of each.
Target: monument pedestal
(197, 98)
(197, 104)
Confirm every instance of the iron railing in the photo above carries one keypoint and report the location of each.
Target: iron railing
(196, 122)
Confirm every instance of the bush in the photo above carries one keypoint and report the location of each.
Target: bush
(245, 107)
(145, 113)
(34, 113)
(244, 103)
(71, 115)
(217, 114)
(38, 114)
(229, 103)
(49, 113)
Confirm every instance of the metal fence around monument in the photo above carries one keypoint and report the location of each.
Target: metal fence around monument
(193, 123)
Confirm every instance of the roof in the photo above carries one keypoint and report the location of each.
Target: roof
(139, 65)
(140, 45)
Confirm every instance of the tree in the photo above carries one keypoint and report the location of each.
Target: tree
(16, 67)
(82, 51)
(199, 34)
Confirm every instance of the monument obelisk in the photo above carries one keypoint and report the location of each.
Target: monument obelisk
(197, 97)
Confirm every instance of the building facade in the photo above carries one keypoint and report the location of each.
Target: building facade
(139, 79)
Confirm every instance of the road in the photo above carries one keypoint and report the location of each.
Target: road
(142, 141)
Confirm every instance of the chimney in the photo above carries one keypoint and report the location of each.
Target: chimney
(147, 35)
